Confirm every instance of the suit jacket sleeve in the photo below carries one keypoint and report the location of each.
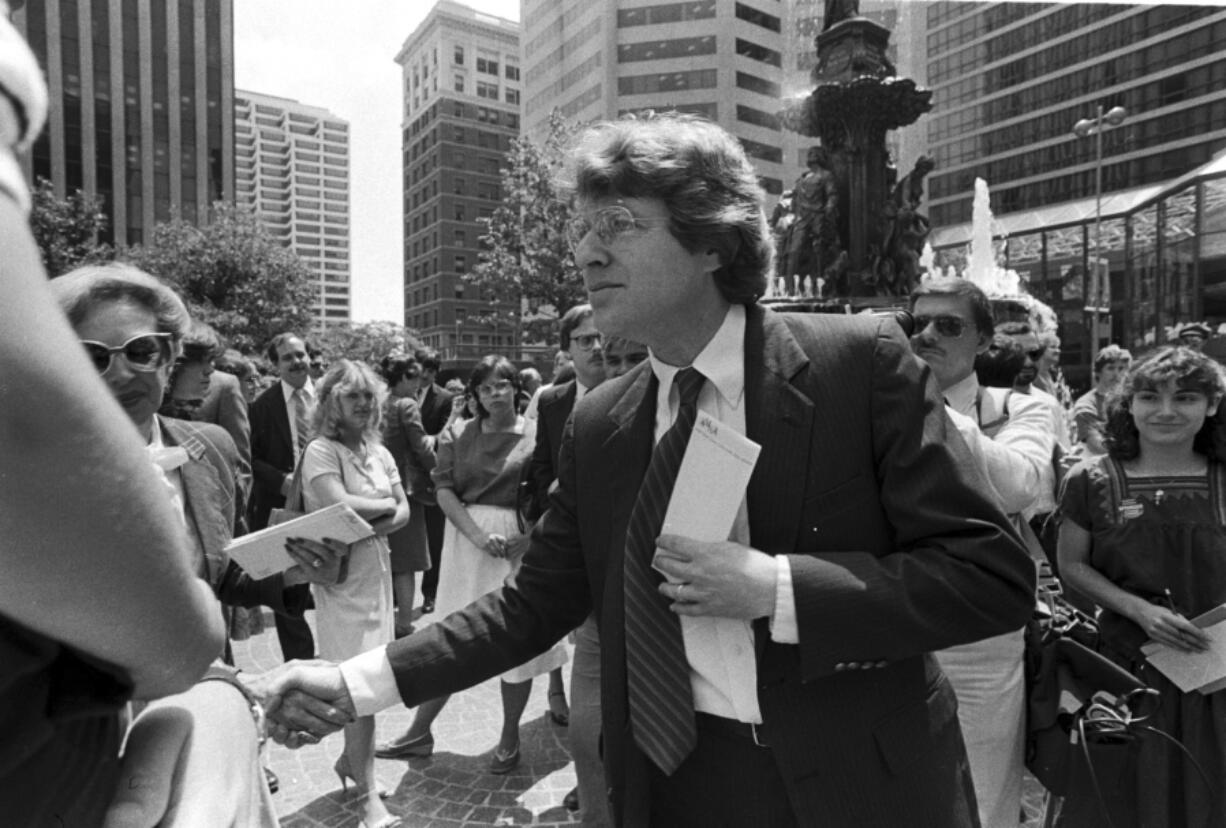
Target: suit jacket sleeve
(957, 572)
(421, 454)
(267, 475)
(232, 416)
(540, 467)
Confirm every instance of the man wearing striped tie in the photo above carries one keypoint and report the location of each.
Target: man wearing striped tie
(782, 677)
(280, 429)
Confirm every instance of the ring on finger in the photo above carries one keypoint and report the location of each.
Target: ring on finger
(679, 588)
(317, 563)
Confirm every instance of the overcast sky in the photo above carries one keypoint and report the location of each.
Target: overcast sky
(342, 57)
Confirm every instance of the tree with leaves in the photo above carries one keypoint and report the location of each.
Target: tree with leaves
(67, 229)
(367, 342)
(233, 275)
(525, 270)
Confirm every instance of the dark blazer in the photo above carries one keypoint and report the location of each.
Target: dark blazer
(272, 453)
(226, 406)
(213, 503)
(553, 407)
(405, 437)
(435, 409)
(895, 551)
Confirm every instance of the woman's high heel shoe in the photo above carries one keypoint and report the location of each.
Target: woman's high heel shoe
(345, 773)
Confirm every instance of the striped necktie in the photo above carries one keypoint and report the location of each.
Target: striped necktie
(302, 424)
(657, 672)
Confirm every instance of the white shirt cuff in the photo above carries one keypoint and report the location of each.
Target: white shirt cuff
(371, 682)
(783, 623)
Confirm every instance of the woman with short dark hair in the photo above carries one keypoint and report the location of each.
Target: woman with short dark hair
(477, 482)
(1144, 536)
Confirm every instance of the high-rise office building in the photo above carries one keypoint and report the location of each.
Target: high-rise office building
(1010, 80)
(722, 60)
(461, 89)
(142, 105)
(292, 168)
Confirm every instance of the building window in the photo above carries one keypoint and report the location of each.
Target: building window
(753, 51)
(487, 62)
(757, 117)
(460, 213)
(461, 264)
(459, 56)
(763, 151)
(755, 84)
(682, 47)
(459, 82)
(667, 82)
(459, 186)
(758, 18)
(667, 13)
(512, 70)
(461, 238)
(512, 96)
(487, 90)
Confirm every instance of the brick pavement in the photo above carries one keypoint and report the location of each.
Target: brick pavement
(451, 789)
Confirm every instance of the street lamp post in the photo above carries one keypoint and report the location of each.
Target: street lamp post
(1086, 127)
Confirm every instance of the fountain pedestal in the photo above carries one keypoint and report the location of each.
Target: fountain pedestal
(857, 99)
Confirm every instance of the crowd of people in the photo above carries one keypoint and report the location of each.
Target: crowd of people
(843, 646)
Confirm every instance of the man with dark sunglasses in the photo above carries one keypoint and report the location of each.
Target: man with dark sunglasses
(1010, 437)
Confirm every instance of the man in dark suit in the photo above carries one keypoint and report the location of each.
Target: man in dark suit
(435, 404)
(577, 335)
(277, 439)
(782, 677)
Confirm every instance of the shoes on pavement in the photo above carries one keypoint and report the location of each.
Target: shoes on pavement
(559, 712)
(571, 801)
(404, 748)
(345, 773)
(401, 632)
(270, 778)
(504, 763)
(427, 606)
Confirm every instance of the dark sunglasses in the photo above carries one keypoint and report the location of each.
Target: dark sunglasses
(1036, 354)
(143, 352)
(950, 327)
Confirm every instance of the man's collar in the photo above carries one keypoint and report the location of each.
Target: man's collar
(961, 395)
(288, 390)
(722, 361)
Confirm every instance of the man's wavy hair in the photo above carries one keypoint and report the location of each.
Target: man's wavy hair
(1189, 370)
(702, 175)
(344, 376)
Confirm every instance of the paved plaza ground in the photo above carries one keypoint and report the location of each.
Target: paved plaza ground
(452, 788)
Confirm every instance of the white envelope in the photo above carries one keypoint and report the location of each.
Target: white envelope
(263, 553)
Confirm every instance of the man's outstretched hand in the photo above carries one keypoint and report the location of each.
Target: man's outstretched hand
(303, 701)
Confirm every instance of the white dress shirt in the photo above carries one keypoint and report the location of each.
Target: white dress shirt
(1018, 458)
(721, 652)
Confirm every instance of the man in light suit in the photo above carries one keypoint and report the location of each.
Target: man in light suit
(807, 694)
(277, 440)
(225, 405)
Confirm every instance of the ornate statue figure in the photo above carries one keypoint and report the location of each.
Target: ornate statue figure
(905, 239)
(810, 242)
(838, 10)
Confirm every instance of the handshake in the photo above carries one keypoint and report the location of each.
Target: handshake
(303, 701)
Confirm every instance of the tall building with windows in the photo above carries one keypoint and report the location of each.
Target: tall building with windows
(292, 168)
(722, 60)
(142, 105)
(462, 99)
(1010, 81)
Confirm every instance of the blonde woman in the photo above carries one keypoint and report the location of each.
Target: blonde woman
(347, 463)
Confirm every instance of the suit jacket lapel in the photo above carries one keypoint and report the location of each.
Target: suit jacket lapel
(208, 517)
(281, 423)
(779, 417)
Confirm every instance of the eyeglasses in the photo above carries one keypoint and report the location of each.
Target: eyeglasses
(143, 352)
(499, 387)
(586, 341)
(610, 223)
(950, 327)
(1036, 354)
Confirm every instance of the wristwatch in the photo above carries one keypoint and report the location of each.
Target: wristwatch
(228, 674)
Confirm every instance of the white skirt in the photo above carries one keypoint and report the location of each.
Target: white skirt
(467, 572)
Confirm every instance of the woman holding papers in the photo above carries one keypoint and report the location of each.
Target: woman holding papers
(1144, 536)
(477, 480)
(347, 463)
